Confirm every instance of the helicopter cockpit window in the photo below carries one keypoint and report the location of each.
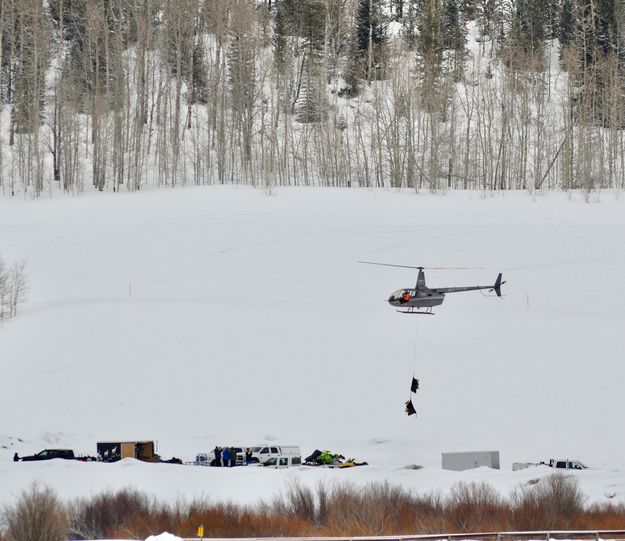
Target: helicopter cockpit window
(400, 293)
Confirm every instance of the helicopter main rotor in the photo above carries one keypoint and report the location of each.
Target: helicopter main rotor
(419, 268)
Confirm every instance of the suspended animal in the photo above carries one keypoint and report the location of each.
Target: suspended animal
(410, 408)
(414, 387)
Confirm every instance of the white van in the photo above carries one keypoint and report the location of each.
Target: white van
(262, 453)
(283, 462)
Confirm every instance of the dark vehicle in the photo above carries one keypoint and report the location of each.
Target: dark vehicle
(49, 454)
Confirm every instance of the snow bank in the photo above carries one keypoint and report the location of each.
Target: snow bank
(163, 537)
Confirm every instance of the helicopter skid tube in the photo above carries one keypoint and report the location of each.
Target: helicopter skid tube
(416, 313)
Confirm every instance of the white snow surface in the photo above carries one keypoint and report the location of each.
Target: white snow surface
(223, 315)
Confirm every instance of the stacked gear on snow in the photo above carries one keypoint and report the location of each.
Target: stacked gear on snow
(332, 460)
(350, 463)
(313, 457)
(326, 457)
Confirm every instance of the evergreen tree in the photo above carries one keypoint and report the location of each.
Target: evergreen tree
(199, 79)
(490, 19)
(567, 23)
(454, 36)
(525, 46)
(91, 28)
(279, 39)
(531, 17)
(410, 22)
(337, 42)
(25, 59)
(397, 9)
(552, 22)
(430, 45)
(72, 16)
(309, 106)
(291, 15)
(371, 37)
(469, 9)
(241, 59)
(600, 31)
(600, 42)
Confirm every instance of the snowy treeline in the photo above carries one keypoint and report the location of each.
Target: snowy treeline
(430, 94)
(13, 284)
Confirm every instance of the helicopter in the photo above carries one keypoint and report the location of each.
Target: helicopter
(421, 299)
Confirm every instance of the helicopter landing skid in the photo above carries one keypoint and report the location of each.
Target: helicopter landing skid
(416, 312)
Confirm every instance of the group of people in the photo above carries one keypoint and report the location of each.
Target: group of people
(227, 456)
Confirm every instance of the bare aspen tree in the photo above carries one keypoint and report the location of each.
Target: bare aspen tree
(18, 284)
(13, 288)
(5, 296)
(25, 59)
(309, 99)
(242, 69)
(180, 19)
(217, 22)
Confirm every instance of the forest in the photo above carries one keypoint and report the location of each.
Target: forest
(431, 95)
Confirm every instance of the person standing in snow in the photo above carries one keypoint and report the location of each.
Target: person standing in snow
(225, 456)
(16, 457)
(248, 456)
(217, 452)
(233, 457)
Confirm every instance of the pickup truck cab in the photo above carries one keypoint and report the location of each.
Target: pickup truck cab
(262, 453)
(49, 454)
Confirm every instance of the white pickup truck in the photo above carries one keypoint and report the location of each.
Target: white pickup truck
(558, 463)
(567, 464)
(262, 453)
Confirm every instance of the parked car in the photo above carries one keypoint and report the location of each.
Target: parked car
(49, 454)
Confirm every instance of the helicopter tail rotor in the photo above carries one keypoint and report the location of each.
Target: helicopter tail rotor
(497, 286)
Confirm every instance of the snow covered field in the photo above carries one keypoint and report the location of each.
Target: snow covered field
(225, 316)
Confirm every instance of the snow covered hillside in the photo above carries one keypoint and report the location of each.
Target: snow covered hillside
(211, 316)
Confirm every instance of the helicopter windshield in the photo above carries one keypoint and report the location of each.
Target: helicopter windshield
(398, 294)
